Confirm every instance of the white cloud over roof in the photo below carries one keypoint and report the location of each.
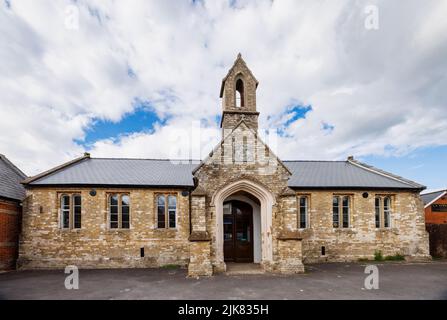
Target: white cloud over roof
(381, 91)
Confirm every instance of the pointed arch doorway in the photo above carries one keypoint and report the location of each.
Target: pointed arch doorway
(266, 201)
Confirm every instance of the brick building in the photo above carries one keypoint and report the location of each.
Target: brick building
(435, 204)
(240, 204)
(11, 195)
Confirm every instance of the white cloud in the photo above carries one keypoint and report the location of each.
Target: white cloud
(383, 91)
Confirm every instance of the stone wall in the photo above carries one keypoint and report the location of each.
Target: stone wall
(44, 245)
(10, 217)
(407, 235)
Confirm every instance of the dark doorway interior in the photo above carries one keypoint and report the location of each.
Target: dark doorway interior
(238, 231)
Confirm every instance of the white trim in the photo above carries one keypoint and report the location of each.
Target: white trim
(433, 191)
(381, 173)
(436, 199)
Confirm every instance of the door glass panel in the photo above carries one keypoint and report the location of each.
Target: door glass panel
(228, 228)
(227, 208)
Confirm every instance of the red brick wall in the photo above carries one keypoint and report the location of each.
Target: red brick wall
(436, 217)
(10, 217)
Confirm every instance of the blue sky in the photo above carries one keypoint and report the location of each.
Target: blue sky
(75, 73)
(140, 120)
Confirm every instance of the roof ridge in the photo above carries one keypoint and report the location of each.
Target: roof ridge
(386, 174)
(152, 159)
(56, 169)
(314, 160)
(433, 191)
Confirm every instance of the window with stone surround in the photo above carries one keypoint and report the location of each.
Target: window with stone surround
(119, 211)
(70, 211)
(303, 202)
(341, 211)
(166, 211)
(382, 204)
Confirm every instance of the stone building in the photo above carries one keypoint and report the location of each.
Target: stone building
(240, 204)
(11, 195)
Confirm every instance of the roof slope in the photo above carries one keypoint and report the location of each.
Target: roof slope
(10, 178)
(151, 172)
(123, 172)
(429, 197)
(339, 174)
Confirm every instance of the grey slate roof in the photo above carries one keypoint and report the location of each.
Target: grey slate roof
(149, 172)
(429, 197)
(10, 178)
(339, 174)
(130, 172)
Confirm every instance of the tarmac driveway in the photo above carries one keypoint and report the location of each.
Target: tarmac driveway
(321, 281)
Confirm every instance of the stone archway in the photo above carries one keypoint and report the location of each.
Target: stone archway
(267, 201)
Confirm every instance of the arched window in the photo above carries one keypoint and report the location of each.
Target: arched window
(341, 212)
(70, 209)
(239, 93)
(119, 211)
(383, 211)
(166, 211)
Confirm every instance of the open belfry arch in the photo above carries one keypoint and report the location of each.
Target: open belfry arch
(242, 164)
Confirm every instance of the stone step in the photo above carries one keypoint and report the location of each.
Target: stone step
(244, 269)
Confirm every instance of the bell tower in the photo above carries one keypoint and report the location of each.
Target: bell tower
(238, 93)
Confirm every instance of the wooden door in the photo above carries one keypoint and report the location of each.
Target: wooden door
(238, 232)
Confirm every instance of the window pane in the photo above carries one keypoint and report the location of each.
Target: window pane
(77, 200)
(161, 223)
(66, 219)
(335, 212)
(125, 221)
(377, 206)
(386, 212)
(114, 211)
(125, 217)
(171, 218)
(303, 212)
(77, 211)
(65, 211)
(345, 212)
(227, 208)
(172, 207)
(114, 200)
(172, 202)
(125, 201)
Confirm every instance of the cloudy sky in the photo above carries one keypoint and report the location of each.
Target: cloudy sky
(137, 78)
